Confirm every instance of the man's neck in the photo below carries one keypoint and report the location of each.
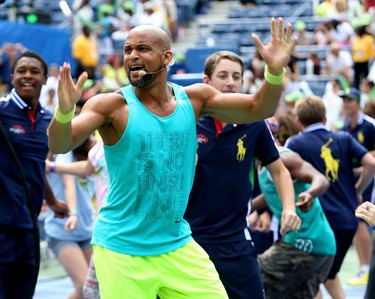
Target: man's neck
(353, 120)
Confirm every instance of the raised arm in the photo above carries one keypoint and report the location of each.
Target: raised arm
(242, 108)
(64, 132)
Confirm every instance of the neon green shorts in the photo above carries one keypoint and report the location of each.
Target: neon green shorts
(184, 273)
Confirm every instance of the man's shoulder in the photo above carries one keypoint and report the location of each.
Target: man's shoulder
(105, 99)
(341, 134)
(5, 103)
(300, 141)
(298, 137)
(109, 105)
(257, 124)
(47, 114)
(369, 121)
(197, 89)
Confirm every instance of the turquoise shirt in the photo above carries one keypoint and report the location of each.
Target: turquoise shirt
(151, 170)
(315, 234)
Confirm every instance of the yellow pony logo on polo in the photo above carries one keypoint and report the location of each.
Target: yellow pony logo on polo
(360, 137)
(332, 164)
(241, 149)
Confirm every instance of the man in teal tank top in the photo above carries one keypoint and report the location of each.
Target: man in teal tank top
(295, 266)
(142, 244)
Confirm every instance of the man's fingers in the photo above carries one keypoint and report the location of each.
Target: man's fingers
(288, 33)
(273, 27)
(281, 28)
(258, 43)
(291, 223)
(301, 201)
(283, 230)
(59, 215)
(65, 73)
(81, 80)
(293, 43)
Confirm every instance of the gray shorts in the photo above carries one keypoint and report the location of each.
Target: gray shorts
(291, 273)
(57, 246)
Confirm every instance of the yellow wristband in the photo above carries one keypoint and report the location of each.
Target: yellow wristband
(274, 79)
(64, 118)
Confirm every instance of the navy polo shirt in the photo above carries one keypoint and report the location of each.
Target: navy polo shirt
(364, 133)
(218, 203)
(332, 153)
(27, 132)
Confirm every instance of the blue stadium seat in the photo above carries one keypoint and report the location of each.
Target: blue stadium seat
(237, 12)
(185, 11)
(195, 57)
(317, 83)
(311, 23)
(282, 11)
(186, 79)
(220, 28)
(260, 11)
(304, 51)
(247, 41)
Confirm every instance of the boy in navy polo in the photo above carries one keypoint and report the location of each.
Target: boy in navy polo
(362, 128)
(218, 202)
(332, 153)
(25, 122)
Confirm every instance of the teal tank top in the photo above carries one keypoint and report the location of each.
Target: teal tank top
(315, 234)
(151, 171)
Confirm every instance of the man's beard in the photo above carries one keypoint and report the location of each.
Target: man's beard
(145, 81)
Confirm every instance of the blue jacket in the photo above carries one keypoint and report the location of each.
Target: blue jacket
(28, 134)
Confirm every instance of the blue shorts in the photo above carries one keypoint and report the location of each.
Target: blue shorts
(237, 265)
(344, 238)
(262, 241)
(57, 246)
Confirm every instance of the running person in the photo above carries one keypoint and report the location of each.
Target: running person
(295, 266)
(332, 153)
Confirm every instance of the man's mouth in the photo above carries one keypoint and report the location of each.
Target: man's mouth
(134, 70)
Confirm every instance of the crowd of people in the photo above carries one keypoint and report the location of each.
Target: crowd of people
(174, 169)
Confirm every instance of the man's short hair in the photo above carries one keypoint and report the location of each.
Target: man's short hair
(213, 60)
(310, 110)
(31, 54)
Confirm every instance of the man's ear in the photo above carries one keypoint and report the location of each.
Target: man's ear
(167, 57)
(324, 120)
(298, 122)
(205, 79)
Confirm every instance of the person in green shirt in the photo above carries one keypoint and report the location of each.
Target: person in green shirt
(294, 266)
